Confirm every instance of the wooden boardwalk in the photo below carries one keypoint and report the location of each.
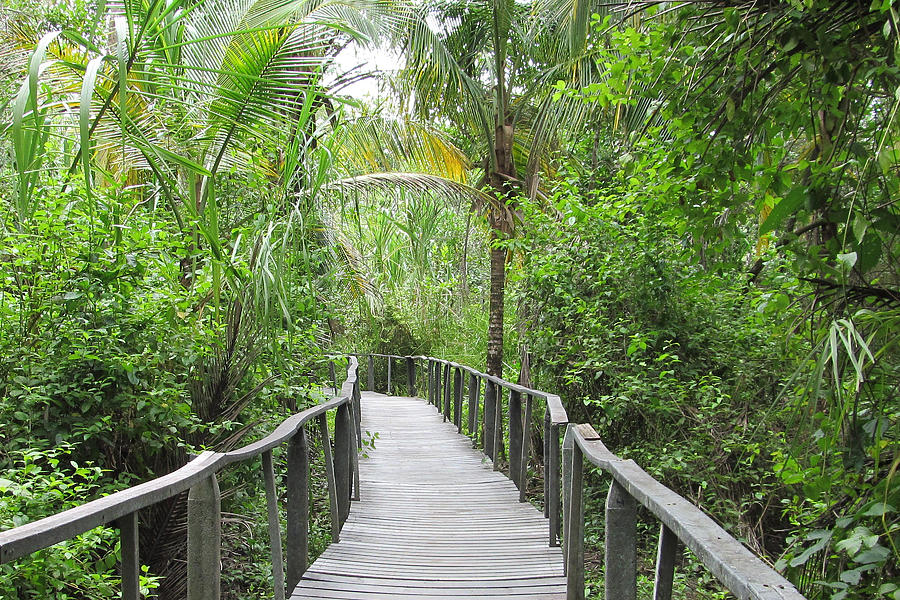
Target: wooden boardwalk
(434, 521)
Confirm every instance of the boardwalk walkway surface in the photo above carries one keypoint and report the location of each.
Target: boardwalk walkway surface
(434, 521)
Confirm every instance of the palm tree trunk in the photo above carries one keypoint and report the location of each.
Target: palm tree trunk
(501, 227)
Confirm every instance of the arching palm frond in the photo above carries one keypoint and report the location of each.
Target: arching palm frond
(374, 144)
(434, 77)
(420, 183)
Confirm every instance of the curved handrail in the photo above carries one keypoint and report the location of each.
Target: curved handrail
(741, 571)
(31, 537)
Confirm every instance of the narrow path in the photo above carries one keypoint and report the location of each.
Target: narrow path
(434, 520)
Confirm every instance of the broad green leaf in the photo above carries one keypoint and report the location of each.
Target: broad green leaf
(801, 559)
(180, 160)
(35, 65)
(848, 259)
(785, 208)
(84, 117)
(852, 576)
(875, 554)
(121, 57)
(869, 251)
(878, 509)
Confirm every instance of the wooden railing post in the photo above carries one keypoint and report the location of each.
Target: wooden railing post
(547, 469)
(130, 561)
(490, 407)
(357, 413)
(429, 381)
(343, 460)
(573, 494)
(665, 563)
(567, 445)
(474, 389)
(329, 478)
(370, 372)
(411, 376)
(498, 425)
(389, 361)
(437, 386)
(297, 508)
(621, 544)
(274, 522)
(457, 399)
(333, 375)
(204, 540)
(515, 437)
(526, 446)
(356, 442)
(555, 507)
(446, 390)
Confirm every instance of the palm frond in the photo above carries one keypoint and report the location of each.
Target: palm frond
(382, 144)
(421, 183)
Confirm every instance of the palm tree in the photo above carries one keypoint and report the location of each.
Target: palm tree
(486, 69)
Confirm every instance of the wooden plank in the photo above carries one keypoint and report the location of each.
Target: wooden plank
(435, 521)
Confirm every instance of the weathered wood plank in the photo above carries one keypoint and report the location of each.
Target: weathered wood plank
(436, 520)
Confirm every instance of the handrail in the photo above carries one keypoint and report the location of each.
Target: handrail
(741, 571)
(199, 477)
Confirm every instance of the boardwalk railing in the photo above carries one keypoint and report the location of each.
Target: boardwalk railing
(204, 503)
(744, 574)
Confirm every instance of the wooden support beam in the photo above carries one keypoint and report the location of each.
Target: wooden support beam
(130, 562)
(343, 460)
(297, 508)
(573, 491)
(411, 376)
(665, 563)
(621, 544)
(515, 437)
(204, 540)
(526, 447)
(474, 389)
(389, 361)
(457, 398)
(274, 522)
(330, 479)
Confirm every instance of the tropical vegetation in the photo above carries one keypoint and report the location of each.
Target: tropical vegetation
(680, 216)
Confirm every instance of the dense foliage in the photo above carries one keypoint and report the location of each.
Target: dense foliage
(694, 207)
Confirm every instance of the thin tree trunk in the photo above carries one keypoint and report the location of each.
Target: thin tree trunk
(464, 265)
(495, 310)
(501, 227)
